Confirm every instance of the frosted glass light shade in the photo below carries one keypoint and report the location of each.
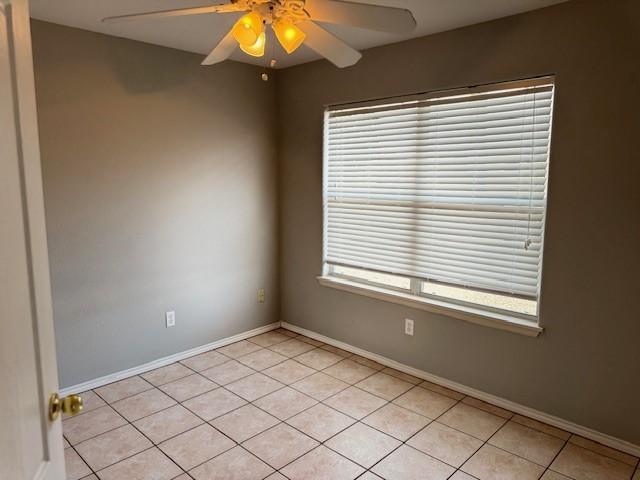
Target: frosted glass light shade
(289, 36)
(257, 49)
(247, 29)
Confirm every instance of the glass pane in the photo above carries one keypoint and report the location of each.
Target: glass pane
(385, 279)
(493, 300)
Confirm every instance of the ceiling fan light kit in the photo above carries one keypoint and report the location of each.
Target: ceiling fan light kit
(250, 35)
(294, 23)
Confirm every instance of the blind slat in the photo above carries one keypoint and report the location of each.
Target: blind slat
(444, 189)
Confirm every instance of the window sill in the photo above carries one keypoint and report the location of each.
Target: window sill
(478, 316)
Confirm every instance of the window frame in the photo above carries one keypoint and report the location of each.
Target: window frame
(504, 319)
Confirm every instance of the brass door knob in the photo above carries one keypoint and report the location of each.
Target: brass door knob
(70, 405)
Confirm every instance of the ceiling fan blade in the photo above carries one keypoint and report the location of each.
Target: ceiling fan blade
(232, 7)
(371, 17)
(222, 51)
(329, 46)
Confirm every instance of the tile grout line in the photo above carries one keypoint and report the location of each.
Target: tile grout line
(507, 420)
(476, 408)
(291, 426)
(156, 445)
(317, 402)
(93, 472)
(153, 443)
(285, 421)
(153, 386)
(240, 444)
(280, 421)
(529, 413)
(290, 358)
(485, 442)
(405, 442)
(548, 469)
(356, 421)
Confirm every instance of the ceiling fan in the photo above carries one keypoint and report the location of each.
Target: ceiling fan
(294, 23)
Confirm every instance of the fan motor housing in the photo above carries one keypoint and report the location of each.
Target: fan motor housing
(271, 10)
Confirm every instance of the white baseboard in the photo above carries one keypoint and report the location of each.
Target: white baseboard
(571, 427)
(161, 362)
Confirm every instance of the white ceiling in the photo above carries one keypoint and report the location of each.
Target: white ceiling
(201, 33)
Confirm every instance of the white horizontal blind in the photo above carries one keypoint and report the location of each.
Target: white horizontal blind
(448, 189)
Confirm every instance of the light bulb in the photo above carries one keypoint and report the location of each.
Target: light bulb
(289, 36)
(247, 30)
(257, 49)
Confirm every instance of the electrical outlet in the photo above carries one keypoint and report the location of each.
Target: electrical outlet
(408, 326)
(170, 317)
(261, 295)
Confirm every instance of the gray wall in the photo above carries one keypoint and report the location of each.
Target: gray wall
(160, 191)
(586, 366)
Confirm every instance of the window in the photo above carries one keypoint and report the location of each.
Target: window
(442, 196)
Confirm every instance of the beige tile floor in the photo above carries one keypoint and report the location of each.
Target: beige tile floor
(283, 406)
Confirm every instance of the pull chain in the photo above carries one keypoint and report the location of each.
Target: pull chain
(272, 62)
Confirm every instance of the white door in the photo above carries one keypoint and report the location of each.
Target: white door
(30, 444)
